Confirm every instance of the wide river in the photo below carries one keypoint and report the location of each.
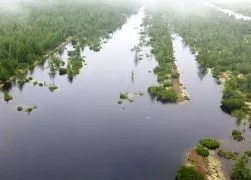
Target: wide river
(81, 132)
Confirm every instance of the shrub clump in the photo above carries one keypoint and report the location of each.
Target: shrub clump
(202, 151)
(29, 109)
(123, 96)
(62, 71)
(188, 173)
(248, 153)
(141, 94)
(35, 83)
(7, 97)
(227, 155)
(240, 170)
(52, 88)
(163, 94)
(210, 143)
(19, 108)
(237, 135)
(232, 100)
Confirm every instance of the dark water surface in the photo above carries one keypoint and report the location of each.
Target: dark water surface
(80, 132)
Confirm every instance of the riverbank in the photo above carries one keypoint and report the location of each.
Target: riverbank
(210, 167)
(169, 89)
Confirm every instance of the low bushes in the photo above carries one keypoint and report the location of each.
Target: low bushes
(123, 96)
(232, 100)
(200, 150)
(52, 88)
(163, 94)
(188, 173)
(210, 143)
(62, 71)
(7, 97)
(237, 135)
(227, 155)
(19, 108)
(240, 170)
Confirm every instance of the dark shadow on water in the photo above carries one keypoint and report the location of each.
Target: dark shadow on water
(70, 79)
(202, 72)
(7, 86)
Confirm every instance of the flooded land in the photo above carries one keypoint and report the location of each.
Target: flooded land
(130, 102)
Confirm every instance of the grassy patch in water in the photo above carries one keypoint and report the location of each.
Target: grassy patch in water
(120, 102)
(75, 63)
(19, 108)
(227, 155)
(53, 88)
(7, 96)
(237, 135)
(123, 96)
(202, 151)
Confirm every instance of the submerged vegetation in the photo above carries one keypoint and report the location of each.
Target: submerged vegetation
(228, 155)
(237, 135)
(27, 109)
(7, 96)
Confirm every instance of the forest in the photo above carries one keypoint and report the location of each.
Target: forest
(27, 39)
(162, 48)
(222, 44)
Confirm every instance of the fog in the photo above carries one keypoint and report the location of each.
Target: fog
(16, 6)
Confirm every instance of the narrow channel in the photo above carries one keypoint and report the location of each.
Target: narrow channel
(81, 130)
(229, 12)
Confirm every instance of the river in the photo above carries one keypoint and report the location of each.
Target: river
(229, 12)
(81, 132)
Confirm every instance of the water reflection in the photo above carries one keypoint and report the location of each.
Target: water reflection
(80, 132)
(202, 72)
